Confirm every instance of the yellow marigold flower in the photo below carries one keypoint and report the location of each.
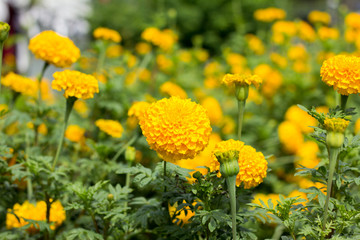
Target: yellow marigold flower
(20, 84)
(283, 30)
(130, 78)
(81, 108)
(336, 124)
(142, 48)
(306, 32)
(150, 34)
(144, 75)
(114, 51)
(201, 54)
(297, 52)
(353, 20)
(54, 49)
(298, 194)
(269, 14)
(211, 82)
(233, 59)
(111, 127)
(307, 183)
(307, 155)
(255, 44)
(35, 212)
(319, 17)
(356, 130)
(131, 60)
(290, 136)
(137, 109)
(278, 60)
(300, 66)
(326, 33)
(107, 34)
(214, 110)
(75, 84)
(172, 89)
(176, 128)
(265, 198)
(301, 118)
(228, 125)
(185, 56)
(254, 96)
(183, 215)
(164, 39)
(75, 133)
(165, 64)
(341, 72)
(252, 164)
(202, 160)
(241, 79)
(272, 79)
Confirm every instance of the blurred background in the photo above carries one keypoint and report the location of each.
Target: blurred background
(210, 24)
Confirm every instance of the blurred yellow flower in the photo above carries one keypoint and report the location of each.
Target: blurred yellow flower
(114, 51)
(171, 89)
(297, 52)
(164, 63)
(269, 14)
(111, 127)
(201, 54)
(144, 75)
(252, 164)
(307, 155)
(142, 48)
(255, 44)
(137, 109)
(214, 110)
(176, 128)
(341, 72)
(182, 216)
(35, 212)
(272, 79)
(81, 108)
(233, 59)
(107, 34)
(290, 136)
(54, 49)
(319, 17)
(306, 31)
(131, 60)
(283, 30)
(278, 60)
(75, 84)
(326, 33)
(20, 84)
(185, 56)
(356, 130)
(164, 39)
(301, 118)
(75, 133)
(352, 20)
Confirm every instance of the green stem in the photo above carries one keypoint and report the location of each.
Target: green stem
(69, 105)
(344, 99)
(165, 175)
(241, 110)
(231, 181)
(333, 159)
(278, 232)
(102, 56)
(28, 181)
(123, 148)
(46, 64)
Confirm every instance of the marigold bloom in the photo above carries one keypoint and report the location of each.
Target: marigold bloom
(75, 84)
(297, 52)
(201, 54)
(356, 130)
(172, 89)
(282, 30)
(307, 155)
(35, 212)
(107, 34)
(336, 124)
(319, 17)
(164, 39)
(81, 108)
(214, 110)
(142, 48)
(326, 33)
(241, 79)
(20, 84)
(352, 20)
(269, 14)
(341, 72)
(255, 44)
(111, 127)
(137, 109)
(54, 49)
(272, 79)
(301, 118)
(114, 51)
(290, 136)
(75, 133)
(252, 164)
(165, 64)
(306, 31)
(185, 56)
(181, 216)
(176, 128)
(278, 60)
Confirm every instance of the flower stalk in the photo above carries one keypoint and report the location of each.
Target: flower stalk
(344, 99)
(242, 93)
(69, 106)
(41, 75)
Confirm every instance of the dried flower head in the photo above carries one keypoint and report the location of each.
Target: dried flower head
(176, 128)
(75, 84)
(54, 49)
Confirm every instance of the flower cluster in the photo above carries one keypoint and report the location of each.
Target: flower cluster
(164, 39)
(54, 49)
(252, 164)
(75, 133)
(342, 72)
(107, 34)
(241, 79)
(20, 84)
(75, 84)
(176, 128)
(35, 212)
(319, 17)
(111, 127)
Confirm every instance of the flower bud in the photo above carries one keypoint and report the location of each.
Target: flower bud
(110, 197)
(242, 92)
(130, 154)
(229, 165)
(335, 139)
(4, 31)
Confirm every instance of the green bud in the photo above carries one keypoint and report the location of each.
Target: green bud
(335, 139)
(130, 154)
(4, 31)
(229, 165)
(242, 92)
(110, 197)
